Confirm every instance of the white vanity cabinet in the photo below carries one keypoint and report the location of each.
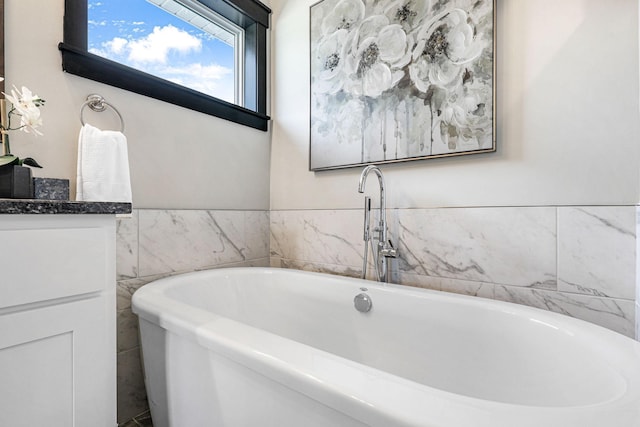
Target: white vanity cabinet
(57, 320)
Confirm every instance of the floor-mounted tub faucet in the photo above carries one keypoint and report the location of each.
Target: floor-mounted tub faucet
(384, 248)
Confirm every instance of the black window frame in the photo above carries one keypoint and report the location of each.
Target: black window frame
(251, 15)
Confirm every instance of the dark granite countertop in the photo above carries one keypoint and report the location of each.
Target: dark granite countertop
(29, 206)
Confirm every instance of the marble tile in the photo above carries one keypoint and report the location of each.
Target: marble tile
(178, 241)
(229, 244)
(126, 288)
(615, 314)
(127, 247)
(637, 321)
(259, 262)
(142, 420)
(597, 251)
(420, 281)
(456, 286)
(286, 232)
(637, 261)
(515, 246)
(132, 397)
(340, 270)
(126, 330)
(334, 237)
(463, 287)
(256, 234)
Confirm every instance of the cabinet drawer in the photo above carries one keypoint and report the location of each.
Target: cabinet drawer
(43, 264)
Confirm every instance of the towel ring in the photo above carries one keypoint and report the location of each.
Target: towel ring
(97, 103)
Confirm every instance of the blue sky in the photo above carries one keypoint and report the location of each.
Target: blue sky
(143, 36)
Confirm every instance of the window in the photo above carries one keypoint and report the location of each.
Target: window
(207, 55)
(182, 42)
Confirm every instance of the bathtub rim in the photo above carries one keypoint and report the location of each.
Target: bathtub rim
(271, 355)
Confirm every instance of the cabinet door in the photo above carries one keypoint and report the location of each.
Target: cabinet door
(57, 366)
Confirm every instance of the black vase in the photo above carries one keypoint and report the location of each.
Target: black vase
(16, 182)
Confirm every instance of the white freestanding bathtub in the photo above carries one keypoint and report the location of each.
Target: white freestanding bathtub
(272, 347)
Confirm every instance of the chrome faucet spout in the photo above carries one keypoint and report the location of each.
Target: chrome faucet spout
(384, 247)
(383, 204)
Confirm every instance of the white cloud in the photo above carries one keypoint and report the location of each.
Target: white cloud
(213, 72)
(116, 45)
(150, 54)
(211, 79)
(99, 52)
(156, 46)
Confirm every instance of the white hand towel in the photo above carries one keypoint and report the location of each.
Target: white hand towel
(103, 166)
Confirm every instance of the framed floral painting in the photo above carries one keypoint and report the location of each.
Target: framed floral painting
(397, 80)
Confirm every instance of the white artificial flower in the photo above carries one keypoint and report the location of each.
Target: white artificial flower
(23, 100)
(26, 105)
(30, 119)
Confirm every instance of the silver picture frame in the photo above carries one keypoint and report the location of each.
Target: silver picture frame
(400, 80)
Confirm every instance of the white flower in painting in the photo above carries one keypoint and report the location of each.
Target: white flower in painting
(341, 121)
(347, 124)
(407, 13)
(344, 16)
(466, 116)
(443, 46)
(476, 9)
(379, 52)
(328, 62)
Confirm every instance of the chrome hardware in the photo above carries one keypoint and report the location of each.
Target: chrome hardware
(388, 250)
(363, 303)
(97, 103)
(367, 218)
(367, 234)
(384, 248)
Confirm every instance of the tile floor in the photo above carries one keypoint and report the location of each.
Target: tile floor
(142, 420)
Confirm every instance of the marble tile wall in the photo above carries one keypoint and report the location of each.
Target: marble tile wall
(579, 261)
(156, 243)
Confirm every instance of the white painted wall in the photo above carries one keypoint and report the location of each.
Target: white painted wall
(567, 121)
(179, 159)
(568, 126)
